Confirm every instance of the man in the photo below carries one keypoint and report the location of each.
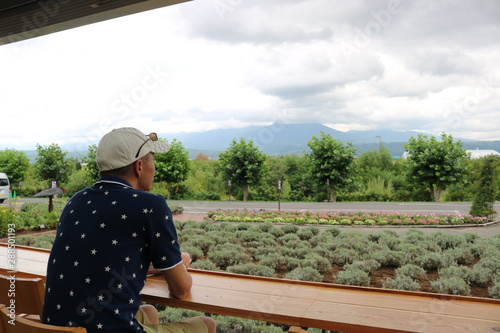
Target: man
(108, 236)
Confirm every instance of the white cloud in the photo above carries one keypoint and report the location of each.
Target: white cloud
(426, 65)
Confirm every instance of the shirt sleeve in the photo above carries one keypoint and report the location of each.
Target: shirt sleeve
(164, 248)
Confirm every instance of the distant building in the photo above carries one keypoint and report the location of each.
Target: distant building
(478, 153)
(474, 153)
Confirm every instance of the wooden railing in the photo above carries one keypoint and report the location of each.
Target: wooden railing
(306, 304)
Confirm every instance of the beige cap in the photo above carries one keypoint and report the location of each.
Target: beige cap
(119, 148)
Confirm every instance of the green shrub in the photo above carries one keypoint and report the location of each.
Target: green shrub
(252, 269)
(305, 234)
(206, 265)
(452, 285)
(275, 260)
(401, 282)
(289, 229)
(367, 266)
(260, 252)
(412, 271)
(316, 261)
(224, 255)
(299, 250)
(304, 274)
(447, 241)
(495, 290)
(195, 252)
(414, 236)
(462, 255)
(353, 277)
(200, 241)
(333, 231)
(434, 261)
(342, 256)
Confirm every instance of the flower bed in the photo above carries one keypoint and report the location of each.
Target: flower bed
(343, 218)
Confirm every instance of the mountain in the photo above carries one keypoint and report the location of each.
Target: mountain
(282, 139)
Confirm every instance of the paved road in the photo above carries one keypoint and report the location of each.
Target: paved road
(202, 207)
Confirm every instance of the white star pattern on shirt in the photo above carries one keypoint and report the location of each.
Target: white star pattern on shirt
(94, 212)
(131, 301)
(89, 202)
(107, 269)
(99, 326)
(106, 193)
(87, 280)
(167, 217)
(134, 234)
(84, 310)
(71, 293)
(100, 297)
(113, 203)
(58, 306)
(158, 235)
(163, 258)
(83, 236)
(67, 247)
(135, 195)
(94, 251)
(61, 276)
(76, 263)
(117, 311)
(102, 225)
(77, 222)
(124, 217)
(127, 259)
(114, 241)
(145, 210)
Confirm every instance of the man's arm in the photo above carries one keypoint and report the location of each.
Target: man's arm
(178, 279)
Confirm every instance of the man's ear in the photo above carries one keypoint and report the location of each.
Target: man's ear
(138, 167)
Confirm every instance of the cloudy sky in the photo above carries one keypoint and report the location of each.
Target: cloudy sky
(430, 66)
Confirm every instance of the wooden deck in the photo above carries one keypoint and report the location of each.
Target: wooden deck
(318, 305)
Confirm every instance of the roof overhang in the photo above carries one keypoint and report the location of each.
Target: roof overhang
(24, 19)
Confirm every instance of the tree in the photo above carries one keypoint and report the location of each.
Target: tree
(51, 163)
(331, 162)
(91, 169)
(172, 166)
(436, 164)
(487, 190)
(15, 164)
(243, 164)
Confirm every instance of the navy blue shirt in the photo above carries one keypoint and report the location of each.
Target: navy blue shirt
(107, 236)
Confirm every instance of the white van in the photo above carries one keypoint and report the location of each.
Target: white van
(4, 187)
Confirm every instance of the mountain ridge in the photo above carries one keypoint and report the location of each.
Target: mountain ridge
(282, 139)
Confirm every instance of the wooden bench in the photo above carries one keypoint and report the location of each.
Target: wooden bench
(306, 304)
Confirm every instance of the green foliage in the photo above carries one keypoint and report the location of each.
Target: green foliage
(173, 166)
(15, 164)
(367, 266)
(451, 285)
(243, 164)
(225, 255)
(252, 269)
(412, 271)
(91, 168)
(487, 191)
(436, 164)
(401, 282)
(304, 274)
(51, 164)
(330, 162)
(353, 277)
